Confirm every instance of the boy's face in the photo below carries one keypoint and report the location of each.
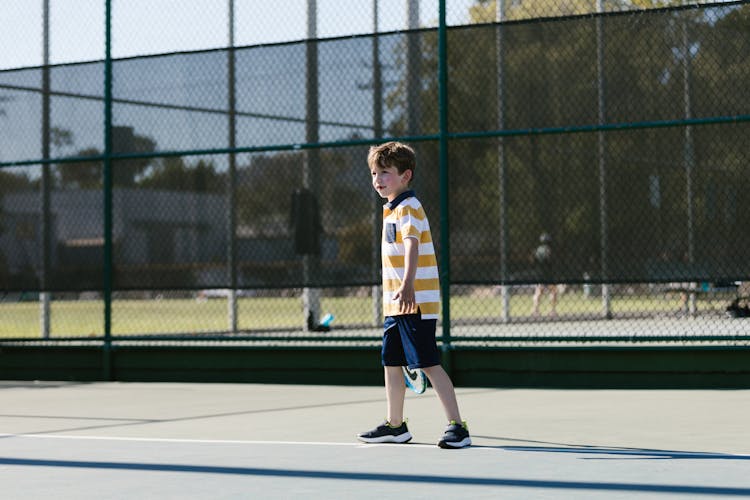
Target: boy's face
(388, 182)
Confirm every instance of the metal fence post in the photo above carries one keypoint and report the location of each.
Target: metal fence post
(311, 174)
(45, 296)
(445, 268)
(688, 156)
(377, 112)
(601, 153)
(232, 179)
(502, 167)
(107, 187)
(413, 71)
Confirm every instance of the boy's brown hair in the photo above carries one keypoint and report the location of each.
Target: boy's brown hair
(393, 154)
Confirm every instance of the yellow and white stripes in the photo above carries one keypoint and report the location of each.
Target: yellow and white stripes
(408, 220)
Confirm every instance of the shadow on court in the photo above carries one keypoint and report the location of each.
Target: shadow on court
(385, 477)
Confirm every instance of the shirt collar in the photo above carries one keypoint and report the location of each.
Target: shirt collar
(397, 201)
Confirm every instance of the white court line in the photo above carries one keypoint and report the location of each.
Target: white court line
(629, 452)
(373, 446)
(210, 441)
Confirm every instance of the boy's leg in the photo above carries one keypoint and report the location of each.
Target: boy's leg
(394, 429)
(456, 434)
(443, 386)
(395, 392)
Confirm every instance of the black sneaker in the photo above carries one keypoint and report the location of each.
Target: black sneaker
(386, 433)
(456, 436)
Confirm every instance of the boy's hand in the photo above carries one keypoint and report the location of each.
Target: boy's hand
(407, 301)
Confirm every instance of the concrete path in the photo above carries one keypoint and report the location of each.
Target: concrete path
(163, 441)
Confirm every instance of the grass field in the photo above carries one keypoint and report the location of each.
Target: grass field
(85, 317)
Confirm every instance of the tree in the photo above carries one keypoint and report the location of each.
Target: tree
(61, 138)
(719, 66)
(10, 182)
(486, 10)
(83, 174)
(174, 174)
(540, 193)
(4, 99)
(88, 174)
(266, 184)
(550, 79)
(264, 190)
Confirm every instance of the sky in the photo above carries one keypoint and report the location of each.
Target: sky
(142, 27)
(148, 27)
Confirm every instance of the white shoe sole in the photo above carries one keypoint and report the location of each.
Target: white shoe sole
(458, 444)
(401, 438)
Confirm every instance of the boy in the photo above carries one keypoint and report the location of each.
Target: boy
(411, 298)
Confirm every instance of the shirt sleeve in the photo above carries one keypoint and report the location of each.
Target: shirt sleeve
(411, 222)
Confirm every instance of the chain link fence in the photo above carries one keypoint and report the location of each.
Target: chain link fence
(201, 169)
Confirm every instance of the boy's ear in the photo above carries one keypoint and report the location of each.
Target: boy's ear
(408, 174)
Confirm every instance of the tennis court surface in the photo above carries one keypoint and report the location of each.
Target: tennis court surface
(158, 440)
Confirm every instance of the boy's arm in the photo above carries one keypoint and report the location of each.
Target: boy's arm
(406, 296)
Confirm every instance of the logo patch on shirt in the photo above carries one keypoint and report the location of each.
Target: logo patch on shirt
(390, 233)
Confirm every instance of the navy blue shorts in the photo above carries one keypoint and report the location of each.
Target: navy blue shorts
(409, 340)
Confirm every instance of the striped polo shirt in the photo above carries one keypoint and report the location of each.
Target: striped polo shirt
(404, 217)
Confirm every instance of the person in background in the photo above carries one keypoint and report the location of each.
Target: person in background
(542, 258)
